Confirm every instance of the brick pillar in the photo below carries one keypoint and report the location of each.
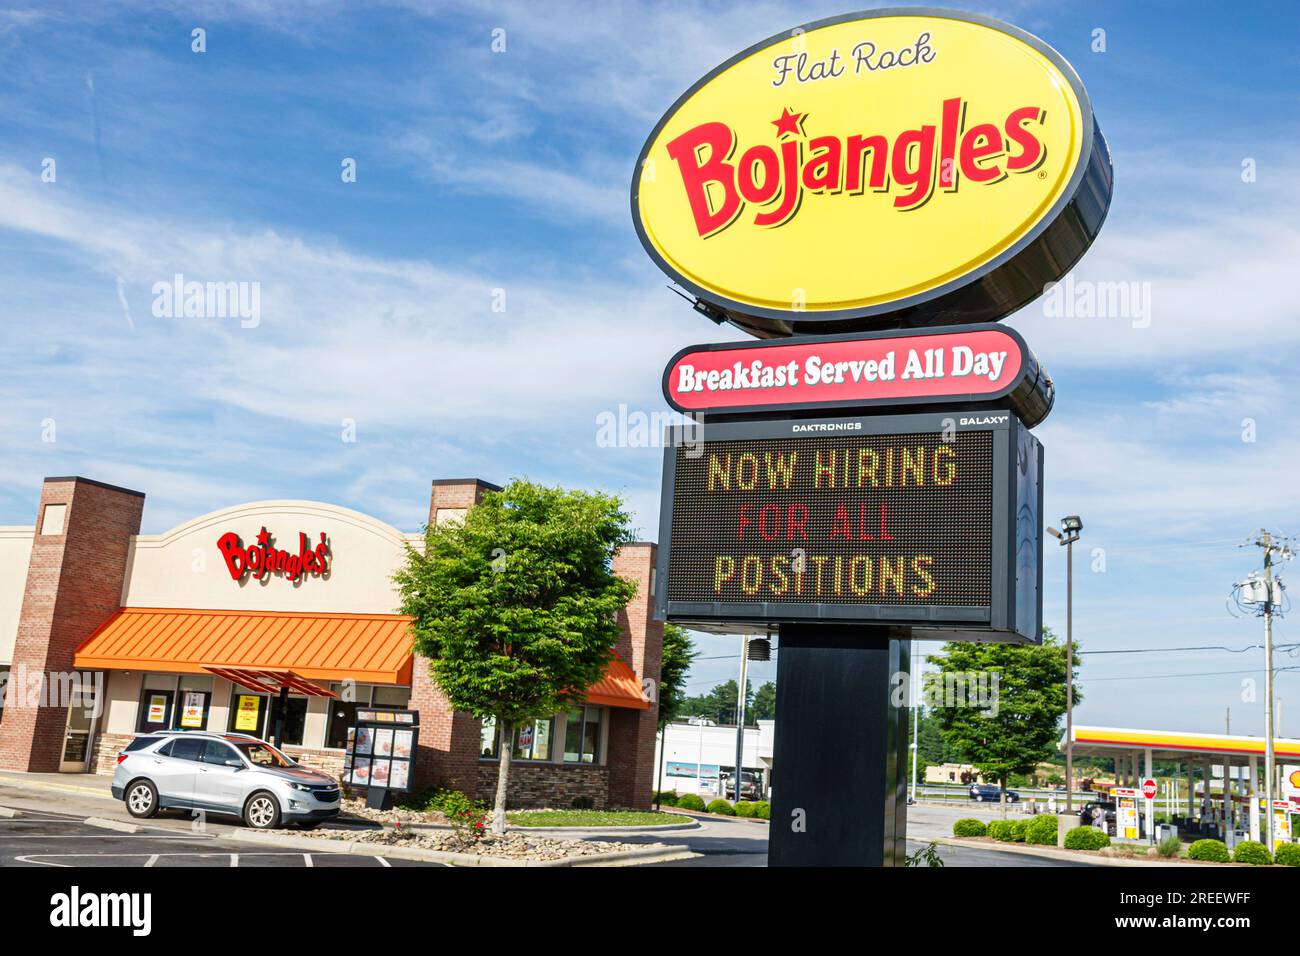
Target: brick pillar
(453, 497)
(631, 748)
(74, 582)
(448, 751)
(449, 739)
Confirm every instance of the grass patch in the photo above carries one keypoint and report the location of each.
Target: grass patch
(592, 818)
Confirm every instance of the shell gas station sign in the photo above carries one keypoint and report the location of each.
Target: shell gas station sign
(837, 176)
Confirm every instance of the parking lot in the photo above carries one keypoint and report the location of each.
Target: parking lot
(61, 837)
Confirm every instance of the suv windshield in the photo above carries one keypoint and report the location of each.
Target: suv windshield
(263, 755)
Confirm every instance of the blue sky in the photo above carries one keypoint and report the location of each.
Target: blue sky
(480, 171)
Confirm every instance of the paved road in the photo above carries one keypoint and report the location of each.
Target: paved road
(50, 831)
(725, 842)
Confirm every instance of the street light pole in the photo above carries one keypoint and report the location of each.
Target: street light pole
(740, 709)
(1071, 526)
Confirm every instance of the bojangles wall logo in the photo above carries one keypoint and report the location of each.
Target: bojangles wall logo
(263, 558)
(909, 165)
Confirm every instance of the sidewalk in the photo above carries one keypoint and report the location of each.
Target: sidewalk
(92, 784)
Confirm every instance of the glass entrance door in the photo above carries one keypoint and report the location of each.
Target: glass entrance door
(80, 730)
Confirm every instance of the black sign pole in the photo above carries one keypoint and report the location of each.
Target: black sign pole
(839, 794)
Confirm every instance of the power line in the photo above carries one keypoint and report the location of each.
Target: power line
(1203, 647)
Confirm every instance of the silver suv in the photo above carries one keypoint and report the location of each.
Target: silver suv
(222, 773)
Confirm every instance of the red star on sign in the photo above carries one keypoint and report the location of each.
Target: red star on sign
(788, 123)
(263, 537)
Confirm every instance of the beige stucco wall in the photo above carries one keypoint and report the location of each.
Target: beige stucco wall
(183, 568)
(15, 553)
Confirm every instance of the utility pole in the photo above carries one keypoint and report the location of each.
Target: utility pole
(1272, 545)
(1228, 723)
(916, 729)
(1071, 527)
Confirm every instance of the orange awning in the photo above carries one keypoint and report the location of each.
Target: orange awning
(367, 648)
(620, 687)
(266, 681)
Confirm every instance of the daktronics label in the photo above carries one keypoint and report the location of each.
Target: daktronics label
(844, 172)
(900, 519)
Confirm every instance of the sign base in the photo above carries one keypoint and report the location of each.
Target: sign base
(379, 798)
(839, 780)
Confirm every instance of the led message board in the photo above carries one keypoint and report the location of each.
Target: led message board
(928, 521)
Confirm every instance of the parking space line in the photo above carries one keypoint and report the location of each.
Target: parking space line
(154, 859)
(383, 862)
(306, 860)
(234, 857)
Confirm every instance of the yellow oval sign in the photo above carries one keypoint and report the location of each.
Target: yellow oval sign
(894, 167)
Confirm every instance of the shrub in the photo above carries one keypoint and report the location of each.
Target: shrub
(467, 817)
(1086, 838)
(1288, 854)
(969, 827)
(690, 801)
(1256, 854)
(1169, 847)
(1004, 831)
(1209, 851)
(667, 797)
(1018, 828)
(744, 808)
(1042, 830)
(762, 810)
(722, 807)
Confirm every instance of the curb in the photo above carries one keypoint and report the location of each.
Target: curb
(552, 831)
(1047, 853)
(327, 845)
(104, 823)
(10, 812)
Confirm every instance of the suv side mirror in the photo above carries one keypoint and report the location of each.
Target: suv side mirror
(234, 762)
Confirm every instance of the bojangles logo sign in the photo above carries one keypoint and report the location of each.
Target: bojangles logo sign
(263, 558)
(840, 176)
(775, 177)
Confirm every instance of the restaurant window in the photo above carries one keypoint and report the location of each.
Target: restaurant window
(582, 729)
(532, 739)
(157, 700)
(295, 719)
(193, 703)
(247, 712)
(343, 709)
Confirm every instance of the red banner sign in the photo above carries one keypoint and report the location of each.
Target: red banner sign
(263, 558)
(962, 365)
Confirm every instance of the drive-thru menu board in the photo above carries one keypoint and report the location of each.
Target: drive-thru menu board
(909, 519)
(381, 749)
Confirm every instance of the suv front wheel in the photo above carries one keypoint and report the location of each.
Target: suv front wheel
(141, 799)
(262, 811)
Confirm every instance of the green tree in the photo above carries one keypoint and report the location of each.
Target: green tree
(679, 652)
(1020, 724)
(516, 606)
(764, 707)
(719, 704)
(930, 740)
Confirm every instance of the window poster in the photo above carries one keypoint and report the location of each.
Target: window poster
(247, 712)
(383, 742)
(365, 737)
(402, 744)
(192, 710)
(379, 773)
(361, 771)
(157, 709)
(400, 778)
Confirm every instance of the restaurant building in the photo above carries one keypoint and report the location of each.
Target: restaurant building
(278, 614)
